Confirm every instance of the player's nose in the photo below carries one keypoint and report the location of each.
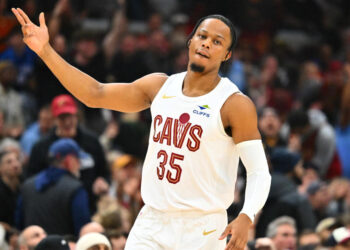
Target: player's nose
(206, 44)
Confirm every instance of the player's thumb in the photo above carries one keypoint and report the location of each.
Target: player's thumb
(224, 234)
(42, 19)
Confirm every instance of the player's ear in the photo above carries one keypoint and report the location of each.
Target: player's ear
(189, 42)
(228, 56)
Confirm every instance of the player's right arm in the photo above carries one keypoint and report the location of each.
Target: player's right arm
(124, 97)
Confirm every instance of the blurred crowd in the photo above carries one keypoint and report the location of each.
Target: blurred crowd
(292, 59)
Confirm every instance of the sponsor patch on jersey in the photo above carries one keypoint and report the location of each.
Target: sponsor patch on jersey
(201, 111)
(203, 107)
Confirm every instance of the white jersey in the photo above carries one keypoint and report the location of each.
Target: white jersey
(191, 163)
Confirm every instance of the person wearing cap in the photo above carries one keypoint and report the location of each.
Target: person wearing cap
(53, 242)
(339, 239)
(55, 199)
(93, 241)
(320, 199)
(93, 170)
(286, 162)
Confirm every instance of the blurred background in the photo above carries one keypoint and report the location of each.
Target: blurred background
(292, 59)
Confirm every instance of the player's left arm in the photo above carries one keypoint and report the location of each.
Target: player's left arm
(239, 114)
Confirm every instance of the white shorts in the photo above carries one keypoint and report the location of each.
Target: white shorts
(155, 230)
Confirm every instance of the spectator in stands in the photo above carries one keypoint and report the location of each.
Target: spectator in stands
(270, 127)
(128, 62)
(8, 21)
(309, 240)
(261, 244)
(309, 84)
(11, 102)
(123, 168)
(288, 163)
(339, 239)
(91, 227)
(53, 242)
(54, 198)
(283, 233)
(93, 172)
(325, 228)
(9, 144)
(339, 190)
(343, 126)
(37, 130)
(314, 138)
(10, 172)
(319, 197)
(30, 237)
(112, 215)
(158, 53)
(117, 240)
(20, 55)
(284, 199)
(93, 241)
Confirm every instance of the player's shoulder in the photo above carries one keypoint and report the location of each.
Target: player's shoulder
(239, 100)
(150, 84)
(238, 107)
(155, 77)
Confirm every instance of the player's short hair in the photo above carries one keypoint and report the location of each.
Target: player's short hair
(275, 224)
(225, 20)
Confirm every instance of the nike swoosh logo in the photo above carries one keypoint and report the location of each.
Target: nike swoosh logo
(209, 232)
(168, 96)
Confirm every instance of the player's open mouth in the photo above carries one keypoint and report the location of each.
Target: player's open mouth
(203, 54)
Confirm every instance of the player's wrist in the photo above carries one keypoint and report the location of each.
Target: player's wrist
(45, 50)
(245, 218)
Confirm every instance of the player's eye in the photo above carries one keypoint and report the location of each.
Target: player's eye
(201, 36)
(217, 42)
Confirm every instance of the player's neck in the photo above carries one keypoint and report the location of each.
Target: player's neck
(197, 84)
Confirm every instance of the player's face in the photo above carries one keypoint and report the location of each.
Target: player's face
(209, 45)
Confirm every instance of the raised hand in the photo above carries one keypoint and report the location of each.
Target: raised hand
(36, 37)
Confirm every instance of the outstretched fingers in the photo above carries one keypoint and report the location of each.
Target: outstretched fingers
(18, 16)
(24, 16)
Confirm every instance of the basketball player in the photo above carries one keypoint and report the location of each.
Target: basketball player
(201, 126)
